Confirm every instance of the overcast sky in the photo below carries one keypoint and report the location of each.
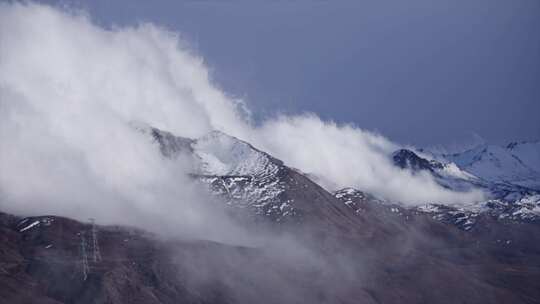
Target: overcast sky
(419, 72)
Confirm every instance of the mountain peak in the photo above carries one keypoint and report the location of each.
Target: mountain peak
(222, 154)
(407, 159)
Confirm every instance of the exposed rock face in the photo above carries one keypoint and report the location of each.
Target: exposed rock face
(407, 159)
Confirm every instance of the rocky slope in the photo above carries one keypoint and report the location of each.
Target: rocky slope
(400, 257)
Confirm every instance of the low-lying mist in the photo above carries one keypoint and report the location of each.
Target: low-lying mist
(69, 90)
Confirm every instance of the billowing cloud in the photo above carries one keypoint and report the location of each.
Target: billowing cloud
(69, 89)
(344, 155)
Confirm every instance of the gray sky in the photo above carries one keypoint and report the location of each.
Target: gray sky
(420, 72)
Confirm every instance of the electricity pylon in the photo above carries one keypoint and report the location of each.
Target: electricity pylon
(95, 244)
(84, 258)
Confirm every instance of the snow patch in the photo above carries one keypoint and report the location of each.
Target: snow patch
(221, 154)
(33, 224)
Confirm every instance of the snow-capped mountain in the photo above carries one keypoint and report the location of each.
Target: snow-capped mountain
(447, 174)
(505, 172)
(509, 175)
(233, 169)
(251, 180)
(516, 164)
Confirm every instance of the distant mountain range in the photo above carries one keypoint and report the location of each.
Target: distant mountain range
(516, 164)
(509, 175)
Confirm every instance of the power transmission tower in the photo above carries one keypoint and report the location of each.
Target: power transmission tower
(85, 268)
(95, 244)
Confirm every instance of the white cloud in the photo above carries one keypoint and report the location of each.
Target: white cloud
(68, 90)
(344, 155)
